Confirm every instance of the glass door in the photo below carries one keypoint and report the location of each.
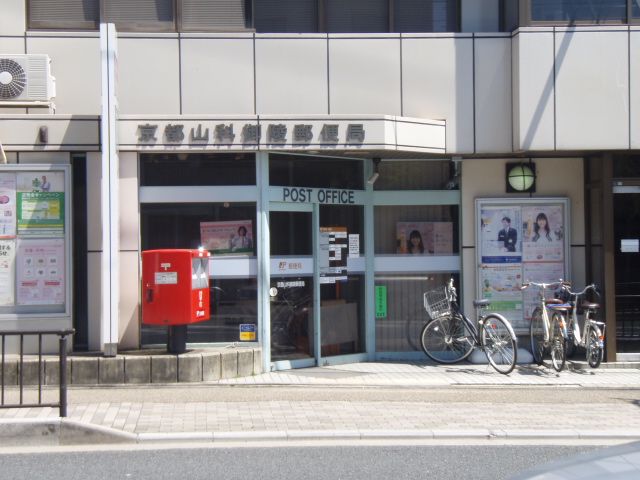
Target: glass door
(342, 283)
(311, 266)
(626, 208)
(291, 286)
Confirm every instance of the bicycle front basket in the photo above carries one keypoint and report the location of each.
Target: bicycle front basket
(436, 302)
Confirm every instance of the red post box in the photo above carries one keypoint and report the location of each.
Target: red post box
(175, 287)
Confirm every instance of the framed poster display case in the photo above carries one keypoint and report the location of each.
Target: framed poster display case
(520, 240)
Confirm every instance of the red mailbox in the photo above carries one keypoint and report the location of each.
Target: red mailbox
(175, 287)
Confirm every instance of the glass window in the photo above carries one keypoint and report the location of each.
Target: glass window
(350, 216)
(399, 330)
(437, 229)
(182, 169)
(291, 233)
(342, 316)
(213, 15)
(314, 172)
(233, 300)
(357, 16)
(421, 16)
(71, 14)
(285, 16)
(139, 15)
(582, 11)
(425, 175)
(626, 166)
(635, 9)
(510, 15)
(177, 225)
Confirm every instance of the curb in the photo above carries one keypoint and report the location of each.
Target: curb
(62, 432)
(59, 431)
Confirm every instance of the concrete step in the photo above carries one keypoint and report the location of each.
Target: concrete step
(137, 367)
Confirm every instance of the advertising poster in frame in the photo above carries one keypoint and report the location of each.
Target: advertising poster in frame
(424, 238)
(40, 272)
(41, 203)
(520, 240)
(227, 238)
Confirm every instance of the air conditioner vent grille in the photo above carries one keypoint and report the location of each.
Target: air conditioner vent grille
(12, 78)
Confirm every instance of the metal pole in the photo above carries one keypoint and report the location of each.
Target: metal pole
(21, 369)
(3, 377)
(63, 376)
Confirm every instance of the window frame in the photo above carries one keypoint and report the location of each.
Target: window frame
(525, 17)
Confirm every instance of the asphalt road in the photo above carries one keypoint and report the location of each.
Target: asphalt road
(451, 462)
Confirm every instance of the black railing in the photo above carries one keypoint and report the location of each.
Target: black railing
(63, 334)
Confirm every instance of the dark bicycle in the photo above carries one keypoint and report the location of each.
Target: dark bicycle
(450, 336)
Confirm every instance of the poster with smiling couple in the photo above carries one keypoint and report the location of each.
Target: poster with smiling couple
(520, 241)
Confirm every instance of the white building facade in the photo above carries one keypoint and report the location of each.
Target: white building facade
(331, 132)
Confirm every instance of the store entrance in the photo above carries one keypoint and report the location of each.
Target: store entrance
(626, 209)
(316, 295)
(291, 286)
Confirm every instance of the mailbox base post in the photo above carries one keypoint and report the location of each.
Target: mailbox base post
(177, 339)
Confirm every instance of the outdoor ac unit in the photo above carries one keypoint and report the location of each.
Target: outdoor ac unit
(26, 78)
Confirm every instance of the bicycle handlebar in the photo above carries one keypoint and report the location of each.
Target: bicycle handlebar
(543, 285)
(593, 287)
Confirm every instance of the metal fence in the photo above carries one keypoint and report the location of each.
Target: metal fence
(64, 335)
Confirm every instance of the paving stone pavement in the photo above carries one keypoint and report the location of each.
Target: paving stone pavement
(290, 420)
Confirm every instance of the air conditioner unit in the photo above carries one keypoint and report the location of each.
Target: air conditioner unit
(26, 78)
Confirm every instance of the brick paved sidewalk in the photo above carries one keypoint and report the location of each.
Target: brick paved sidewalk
(268, 420)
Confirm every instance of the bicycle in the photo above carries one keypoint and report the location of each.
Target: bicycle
(450, 336)
(592, 336)
(289, 317)
(548, 333)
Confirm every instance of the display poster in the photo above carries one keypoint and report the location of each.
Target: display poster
(227, 238)
(40, 203)
(40, 272)
(7, 205)
(543, 233)
(424, 238)
(500, 236)
(7, 272)
(334, 247)
(502, 285)
(520, 240)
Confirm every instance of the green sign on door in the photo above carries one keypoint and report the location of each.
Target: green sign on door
(381, 302)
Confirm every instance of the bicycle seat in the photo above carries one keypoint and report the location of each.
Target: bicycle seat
(485, 302)
(562, 307)
(553, 301)
(590, 306)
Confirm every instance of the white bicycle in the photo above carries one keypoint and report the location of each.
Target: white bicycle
(592, 335)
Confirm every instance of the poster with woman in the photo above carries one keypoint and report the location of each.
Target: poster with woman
(424, 238)
(499, 237)
(543, 233)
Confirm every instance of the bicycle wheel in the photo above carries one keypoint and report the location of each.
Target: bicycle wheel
(446, 339)
(499, 346)
(537, 336)
(595, 352)
(571, 341)
(558, 342)
(412, 330)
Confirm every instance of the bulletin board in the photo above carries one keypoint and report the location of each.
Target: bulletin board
(518, 241)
